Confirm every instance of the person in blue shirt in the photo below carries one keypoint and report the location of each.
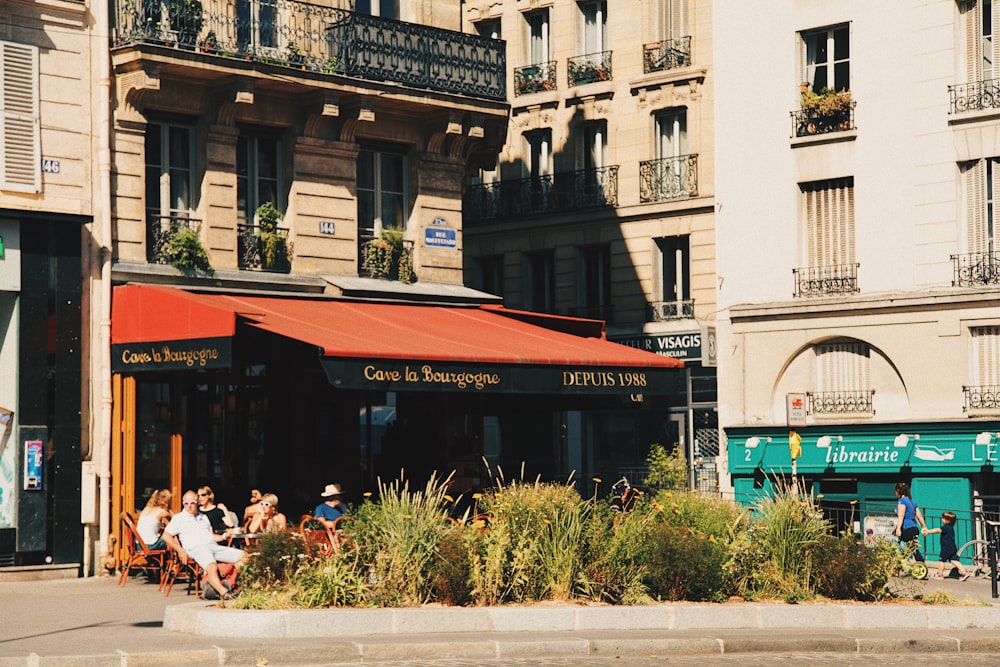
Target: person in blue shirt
(332, 507)
(909, 520)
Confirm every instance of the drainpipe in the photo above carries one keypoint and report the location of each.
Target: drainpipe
(102, 222)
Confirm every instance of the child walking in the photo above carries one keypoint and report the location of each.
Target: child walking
(949, 550)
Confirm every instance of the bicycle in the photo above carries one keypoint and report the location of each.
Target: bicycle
(978, 552)
(623, 495)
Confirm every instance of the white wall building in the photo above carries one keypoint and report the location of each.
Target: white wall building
(857, 263)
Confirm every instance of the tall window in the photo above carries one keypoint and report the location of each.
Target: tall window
(258, 174)
(671, 133)
(540, 282)
(828, 210)
(538, 37)
(490, 274)
(385, 8)
(981, 22)
(843, 366)
(592, 148)
(828, 58)
(985, 357)
(257, 25)
(381, 192)
(674, 268)
(593, 26)
(539, 144)
(594, 293)
(671, 19)
(20, 128)
(169, 170)
(979, 182)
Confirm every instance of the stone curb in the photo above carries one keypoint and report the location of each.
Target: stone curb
(210, 621)
(351, 653)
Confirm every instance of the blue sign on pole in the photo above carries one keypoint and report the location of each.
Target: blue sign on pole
(440, 237)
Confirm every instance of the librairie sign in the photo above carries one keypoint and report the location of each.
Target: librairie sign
(194, 354)
(388, 374)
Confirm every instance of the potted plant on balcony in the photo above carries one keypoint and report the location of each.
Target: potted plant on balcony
(210, 44)
(388, 258)
(828, 110)
(186, 18)
(295, 56)
(185, 252)
(272, 244)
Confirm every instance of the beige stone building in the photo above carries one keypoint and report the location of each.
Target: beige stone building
(49, 139)
(602, 204)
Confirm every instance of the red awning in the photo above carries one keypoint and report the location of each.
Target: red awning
(486, 336)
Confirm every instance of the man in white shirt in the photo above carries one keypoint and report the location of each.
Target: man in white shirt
(189, 533)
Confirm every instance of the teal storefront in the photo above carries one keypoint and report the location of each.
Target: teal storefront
(852, 469)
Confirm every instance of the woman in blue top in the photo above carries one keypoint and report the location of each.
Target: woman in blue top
(909, 519)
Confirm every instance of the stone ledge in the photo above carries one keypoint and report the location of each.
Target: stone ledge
(39, 572)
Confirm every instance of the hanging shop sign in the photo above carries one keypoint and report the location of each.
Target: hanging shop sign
(393, 375)
(176, 355)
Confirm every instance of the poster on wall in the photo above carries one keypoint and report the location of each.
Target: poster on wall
(8, 470)
(879, 525)
(34, 452)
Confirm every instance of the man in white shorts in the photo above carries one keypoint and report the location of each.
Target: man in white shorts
(189, 533)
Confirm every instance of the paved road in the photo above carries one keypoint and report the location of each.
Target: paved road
(818, 659)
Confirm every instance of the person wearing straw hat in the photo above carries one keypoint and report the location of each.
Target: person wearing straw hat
(332, 507)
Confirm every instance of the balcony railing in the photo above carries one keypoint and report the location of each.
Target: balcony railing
(977, 268)
(604, 312)
(982, 398)
(665, 311)
(841, 402)
(975, 96)
(668, 178)
(160, 229)
(826, 280)
(262, 251)
(668, 54)
(321, 39)
(551, 193)
(589, 68)
(810, 122)
(535, 78)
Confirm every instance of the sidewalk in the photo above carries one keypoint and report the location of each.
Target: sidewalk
(94, 622)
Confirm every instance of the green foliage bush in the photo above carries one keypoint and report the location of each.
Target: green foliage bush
(846, 569)
(666, 471)
(273, 559)
(685, 564)
(184, 251)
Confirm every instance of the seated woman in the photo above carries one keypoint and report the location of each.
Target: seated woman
(152, 519)
(268, 518)
(217, 513)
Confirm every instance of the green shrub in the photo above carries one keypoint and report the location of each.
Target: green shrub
(666, 471)
(685, 564)
(449, 571)
(614, 554)
(331, 581)
(274, 558)
(846, 569)
(398, 538)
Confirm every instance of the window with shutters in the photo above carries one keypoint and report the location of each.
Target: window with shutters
(671, 40)
(979, 264)
(981, 24)
(828, 217)
(20, 157)
(983, 393)
(843, 378)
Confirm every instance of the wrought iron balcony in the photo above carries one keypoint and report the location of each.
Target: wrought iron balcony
(841, 402)
(160, 230)
(668, 54)
(975, 96)
(589, 68)
(826, 280)
(977, 268)
(551, 193)
(262, 251)
(319, 38)
(535, 78)
(666, 311)
(810, 122)
(604, 312)
(668, 178)
(982, 398)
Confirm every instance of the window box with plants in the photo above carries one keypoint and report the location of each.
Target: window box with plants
(389, 257)
(183, 250)
(826, 111)
(264, 245)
